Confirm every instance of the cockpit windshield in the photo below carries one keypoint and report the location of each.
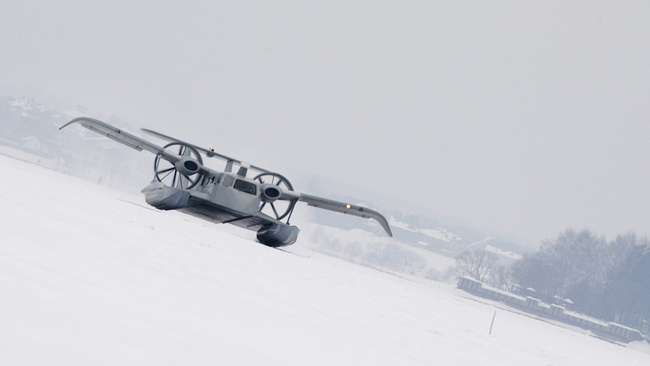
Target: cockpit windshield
(246, 187)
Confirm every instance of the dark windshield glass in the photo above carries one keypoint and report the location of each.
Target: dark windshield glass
(244, 186)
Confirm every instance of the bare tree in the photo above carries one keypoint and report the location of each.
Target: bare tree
(500, 278)
(583, 267)
(478, 264)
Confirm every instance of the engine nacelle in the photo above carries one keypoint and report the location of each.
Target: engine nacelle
(270, 192)
(188, 166)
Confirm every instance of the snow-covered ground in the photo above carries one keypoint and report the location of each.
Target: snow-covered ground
(381, 252)
(90, 275)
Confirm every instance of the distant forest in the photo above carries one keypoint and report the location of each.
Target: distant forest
(606, 280)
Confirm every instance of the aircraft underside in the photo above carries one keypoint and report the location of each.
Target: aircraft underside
(269, 232)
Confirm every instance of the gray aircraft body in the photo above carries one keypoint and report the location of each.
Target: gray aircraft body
(263, 203)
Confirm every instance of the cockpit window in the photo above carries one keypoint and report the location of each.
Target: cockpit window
(244, 186)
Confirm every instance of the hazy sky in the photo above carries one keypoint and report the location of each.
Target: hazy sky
(525, 117)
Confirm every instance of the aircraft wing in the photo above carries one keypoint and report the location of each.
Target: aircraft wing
(116, 134)
(346, 208)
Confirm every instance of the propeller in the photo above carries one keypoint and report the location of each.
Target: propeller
(208, 152)
(274, 201)
(182, 173)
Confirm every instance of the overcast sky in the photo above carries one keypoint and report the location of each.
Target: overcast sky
(525, 117)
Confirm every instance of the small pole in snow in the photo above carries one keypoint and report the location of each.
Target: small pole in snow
(493, 316)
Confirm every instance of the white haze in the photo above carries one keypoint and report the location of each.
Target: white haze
(524, 117)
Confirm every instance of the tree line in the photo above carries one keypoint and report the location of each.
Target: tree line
(609, 280)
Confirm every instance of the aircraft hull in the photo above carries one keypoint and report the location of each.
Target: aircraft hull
(270, 233)
(278, 235)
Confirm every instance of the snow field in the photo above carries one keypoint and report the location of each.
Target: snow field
(89, 275)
